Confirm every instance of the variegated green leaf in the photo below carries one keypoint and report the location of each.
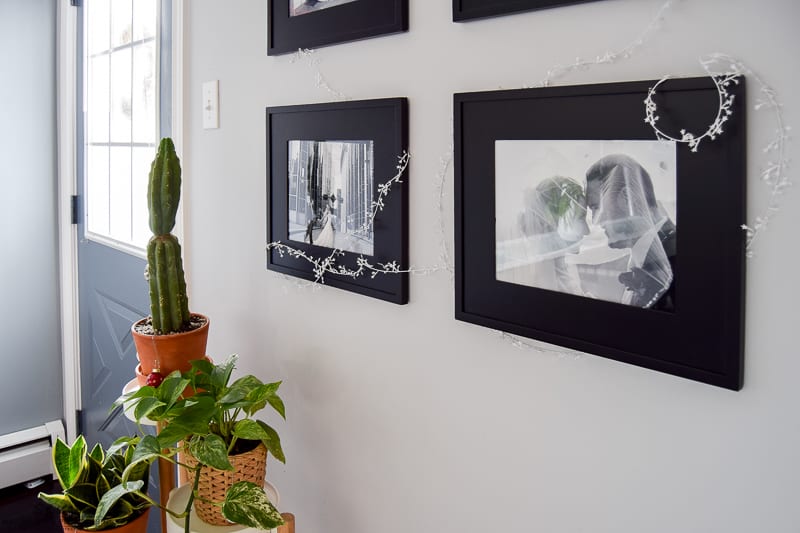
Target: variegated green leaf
(69, 461)
(211, 450)
(113, 496)
(59, 501)
(83, 495)
(247, 504)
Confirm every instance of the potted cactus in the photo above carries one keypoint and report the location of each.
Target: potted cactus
(171, 336)
(102, 490)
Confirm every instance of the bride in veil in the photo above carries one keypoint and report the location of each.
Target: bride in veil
(549, 229)
(327, 236)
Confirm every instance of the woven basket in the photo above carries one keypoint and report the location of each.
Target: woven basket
(214, 484)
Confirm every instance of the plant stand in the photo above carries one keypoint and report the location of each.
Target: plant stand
(166, 472)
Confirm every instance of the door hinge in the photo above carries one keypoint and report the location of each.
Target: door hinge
(74, 209)
(76, 3)
(79, 421)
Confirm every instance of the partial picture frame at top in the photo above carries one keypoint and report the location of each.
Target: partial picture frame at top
(466, 10)
(325, 165)
(576, 226)
(301, 24)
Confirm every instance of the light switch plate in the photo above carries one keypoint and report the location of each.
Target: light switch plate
(211, 104)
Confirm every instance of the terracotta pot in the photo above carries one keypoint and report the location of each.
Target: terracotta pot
(214, 484)
(137, 526)
(173, 351)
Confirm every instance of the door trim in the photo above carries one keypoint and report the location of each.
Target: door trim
(66, 116)
(66, 121)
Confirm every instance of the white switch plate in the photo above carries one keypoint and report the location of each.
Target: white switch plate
(211, 105)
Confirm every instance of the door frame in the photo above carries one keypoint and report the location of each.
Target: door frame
(67, 143)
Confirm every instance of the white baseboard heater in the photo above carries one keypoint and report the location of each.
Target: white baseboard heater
(26, 454)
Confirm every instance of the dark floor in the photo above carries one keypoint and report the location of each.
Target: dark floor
(22, 512)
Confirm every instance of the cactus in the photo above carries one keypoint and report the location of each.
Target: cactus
(169, 306)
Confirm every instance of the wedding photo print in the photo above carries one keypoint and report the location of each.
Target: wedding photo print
(330, 194)
(303, 7)
(590, 218)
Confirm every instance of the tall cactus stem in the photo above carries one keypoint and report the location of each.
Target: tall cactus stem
(169, 305)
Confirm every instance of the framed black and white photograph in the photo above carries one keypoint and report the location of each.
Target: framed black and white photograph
(567, 211)
(296, 24)
(325, 164)
(464, 10)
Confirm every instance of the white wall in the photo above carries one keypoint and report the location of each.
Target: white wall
(401, 419)
(29, 315)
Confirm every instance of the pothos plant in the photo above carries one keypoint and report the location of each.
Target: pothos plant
(215, 419)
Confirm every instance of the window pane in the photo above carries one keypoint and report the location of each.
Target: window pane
(142, 158)
(121, 105)
(120, 194)
(144, 93)
(97, 97)
(97, 186)
(122, 90)
(144, 19)
(121, 22)
(97, 27)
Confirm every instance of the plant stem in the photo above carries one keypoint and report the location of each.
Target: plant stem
(191, 497)
(156, 504)
(233, 443)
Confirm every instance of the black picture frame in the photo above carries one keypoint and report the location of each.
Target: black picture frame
(465, 10)
(702, 339)
(360, 19)
(383, 121)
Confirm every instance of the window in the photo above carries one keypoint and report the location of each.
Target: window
(122, 48)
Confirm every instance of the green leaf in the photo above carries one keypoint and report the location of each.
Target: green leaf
(84, 494)
(249, 429)
(111, 497)
(122, 513)
(239, 390)
(131, 397)
(171, 388)
(97, 453)
(222, 374)
(120, 443)
(247, 504)
(145, 453)
(145, 407)
(277, 404)
(212, 451)
(137, 471)
(114, 466)
(272, 442)
(61, 502)
(202, 366)
(197, 416)
(171, 434)
(258, 398)
(69, 461)
(101, 487)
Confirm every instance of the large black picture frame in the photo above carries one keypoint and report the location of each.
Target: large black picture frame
(352, 21)
(702, 339)
(465, 10)
(383, 121)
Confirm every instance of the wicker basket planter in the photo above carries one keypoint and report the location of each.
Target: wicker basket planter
(214, 484)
